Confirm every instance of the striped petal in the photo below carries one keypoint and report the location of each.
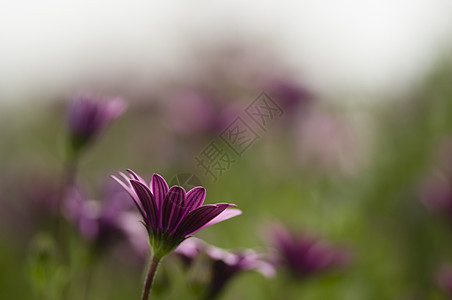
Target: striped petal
(199, 217)
(147, 202)
(136, 177)
(173, 208)
(132, 193)
(195, 198)
(127, 187)
(225, 215)
(159, 189)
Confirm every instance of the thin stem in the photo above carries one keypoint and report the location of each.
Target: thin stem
(89, 272)
(155, 261)
(67, 181)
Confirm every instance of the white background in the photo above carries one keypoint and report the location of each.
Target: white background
(342, 46)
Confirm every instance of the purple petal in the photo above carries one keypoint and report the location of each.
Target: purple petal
(265, 268)
(128, 187)
(114, 108)
(132, 193)
(147, 201)
(190, 247)
(137, 177)
(223, 216)
(195, 198)
(159, 189)
(200, 217)
(173, 208)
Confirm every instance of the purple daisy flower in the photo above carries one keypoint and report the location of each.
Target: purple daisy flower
(305, 256)
(171, 215)
(88, 115)
(224, 264)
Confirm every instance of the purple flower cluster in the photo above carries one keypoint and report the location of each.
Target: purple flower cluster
(171, 215)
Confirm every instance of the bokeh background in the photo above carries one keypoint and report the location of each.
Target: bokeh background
(361, 156)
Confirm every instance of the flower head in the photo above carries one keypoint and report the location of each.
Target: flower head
(88, 115)
(223, 264)
(171, 215)
(304, 256)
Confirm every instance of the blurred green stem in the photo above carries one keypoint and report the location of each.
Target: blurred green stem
(67, 180)
(155, 261)
(90, 268)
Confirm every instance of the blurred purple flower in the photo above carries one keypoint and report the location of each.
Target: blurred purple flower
(435, 188)
(98, 221)
(172, 215)
(190, 111)
(223, 264)
(305, 256)
(328, 142)
(444, 279)
(288, 94)
(88, 115)
(436, 193)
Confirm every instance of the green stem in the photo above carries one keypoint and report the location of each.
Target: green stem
(89, 272)
(155, 261)
(67, 181)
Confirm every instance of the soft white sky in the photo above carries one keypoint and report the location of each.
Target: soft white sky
(347, 45)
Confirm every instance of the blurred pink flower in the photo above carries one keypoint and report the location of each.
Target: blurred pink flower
(327, 142)
(190, 112)
(436, 193)
(435, 190)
